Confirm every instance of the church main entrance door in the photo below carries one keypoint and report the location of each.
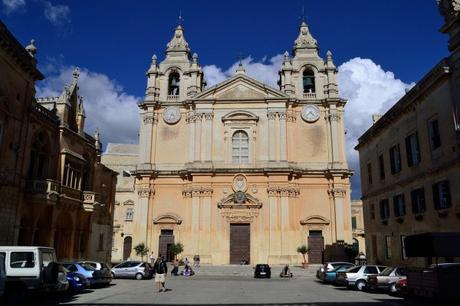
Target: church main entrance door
(164, 245)
(316, 245)
(240, 242)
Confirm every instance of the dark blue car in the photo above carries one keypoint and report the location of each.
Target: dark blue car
(77, 282)
(330, 276)
(94, 276)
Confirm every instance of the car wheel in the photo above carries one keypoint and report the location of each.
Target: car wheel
(361, 285)
(393, 288)
(139, 276)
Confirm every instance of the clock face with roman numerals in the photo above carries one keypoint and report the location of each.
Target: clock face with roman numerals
(171, 114)
(310, 113)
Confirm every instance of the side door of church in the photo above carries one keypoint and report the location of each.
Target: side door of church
(316, 245)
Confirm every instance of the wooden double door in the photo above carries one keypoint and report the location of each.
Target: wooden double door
(240, 243)
(316, 245)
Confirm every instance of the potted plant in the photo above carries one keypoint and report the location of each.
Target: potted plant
(176, 249)
(303, 249)
(141, 250)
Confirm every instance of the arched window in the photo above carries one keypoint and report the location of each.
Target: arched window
(174, 84)
(39, 156)
(308, 81)
(240, 147)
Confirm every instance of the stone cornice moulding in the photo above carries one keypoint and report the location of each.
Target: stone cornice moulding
(314, 220)
(283, 191)
(145, 191)
(337, 192)
(197, 191)
(168, 218)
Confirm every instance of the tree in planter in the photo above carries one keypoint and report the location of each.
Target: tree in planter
(303, 250)
(176, 249)
(141, 250)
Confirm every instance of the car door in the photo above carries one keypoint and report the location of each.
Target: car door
(131, 269)
(120, 269)
(370, 270)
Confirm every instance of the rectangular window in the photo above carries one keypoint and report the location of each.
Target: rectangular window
(403, 247)
(388, 247)
(381, 167)
(353, 223)
(399, 205)
(395, 159)
(412, 150)
(435, 137)
(384, 209)
(418, 200)
(129, 214)
(372, 211)
(441, 195)
(22, 260)
(369, 173)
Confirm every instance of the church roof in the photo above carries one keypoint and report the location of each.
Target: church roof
(241, 87)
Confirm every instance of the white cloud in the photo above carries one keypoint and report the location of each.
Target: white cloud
(370, 90)
(265, 71)
(10, 6)
(367, 87)
(56, 14)
(108, 107)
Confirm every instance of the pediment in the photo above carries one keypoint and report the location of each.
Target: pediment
(240, 87)
(169, 218)
(315, 219)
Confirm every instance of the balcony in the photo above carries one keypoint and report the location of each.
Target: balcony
(43, 190)
(172, 98)
(70, 195)
(90, 199)
(309, 95)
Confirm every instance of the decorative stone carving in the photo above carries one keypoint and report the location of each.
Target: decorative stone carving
(291, 116)
(337, 192)
(150, 118)
(239, 216)
(334, 117)
(178, 42)
(271, 115)
(305, 39)
(283, 191)
(208, 116)
(168, 218)
(197, 191)
(240, 183)
(315, 220)
(282, 115)
(145, 192)
(247, 202)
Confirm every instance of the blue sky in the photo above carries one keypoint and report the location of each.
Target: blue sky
(380, 47)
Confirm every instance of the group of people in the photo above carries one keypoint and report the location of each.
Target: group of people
(187, 271)
(160, 269)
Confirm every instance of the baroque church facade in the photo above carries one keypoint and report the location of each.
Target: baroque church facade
(241, 170)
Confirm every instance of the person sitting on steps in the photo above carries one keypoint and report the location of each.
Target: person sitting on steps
(286, 272)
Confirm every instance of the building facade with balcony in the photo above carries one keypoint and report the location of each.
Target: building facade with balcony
(241, 170)
(63, 196)
(410, 160)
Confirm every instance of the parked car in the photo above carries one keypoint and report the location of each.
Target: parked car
(262, 271)
(330, 276)
(77, 282)
(102, 269)
(2, 275)
(356, 277)
(329, 266)
(94, 277)
(31, 268)
(132, 269)
(401, 288)
(387, 279)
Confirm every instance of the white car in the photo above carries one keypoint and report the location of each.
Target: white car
(31, 268)
(357, 276)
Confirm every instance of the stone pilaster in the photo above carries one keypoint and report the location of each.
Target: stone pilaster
(141, 213)
(271, 136)
(145, 136)
(337, 196)
(283, 136)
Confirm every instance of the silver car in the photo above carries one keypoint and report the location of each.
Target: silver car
(132, 269)
(387, 279)
(357, 276)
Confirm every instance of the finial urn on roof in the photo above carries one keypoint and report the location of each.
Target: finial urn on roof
(31, 49)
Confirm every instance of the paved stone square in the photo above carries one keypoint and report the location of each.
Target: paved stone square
(234, 286)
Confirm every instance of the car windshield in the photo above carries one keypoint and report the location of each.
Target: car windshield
(87, 267)
(387, 271)
(353, 269)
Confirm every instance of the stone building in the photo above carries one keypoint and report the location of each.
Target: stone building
(241, 169)
(57, 193)
(123, 159)
(410, 162)
(357, 225)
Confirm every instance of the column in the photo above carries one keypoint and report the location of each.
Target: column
(195, 220)
(283, 138)
(275, 234)
(285, 228)
(145, 137)
(205, 249)
(271, 136)
(191, 127)
(334, 117)
(208, 137)
(140, 219)
(198, 136)
(338, 194)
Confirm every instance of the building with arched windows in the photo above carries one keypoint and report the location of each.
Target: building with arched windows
(55, 190)
(240, 170)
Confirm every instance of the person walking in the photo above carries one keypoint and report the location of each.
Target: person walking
(152, 258)
(160, 269)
